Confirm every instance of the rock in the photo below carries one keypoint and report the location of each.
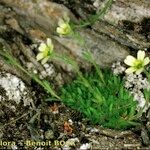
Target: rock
(16, 104)
(41, 14)
(49, 134)
(145, 129)
(121, 9)
(82, 8)
(148, 126)
(128, 10)
(127, 22)
(130, 37)
(85, 146)
(148, 115)
(145, 137)
(44, 16)
(148, 121)
(104, 50)
(12, 89)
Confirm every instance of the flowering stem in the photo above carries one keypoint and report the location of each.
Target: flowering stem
(43, 83)
(93, 18)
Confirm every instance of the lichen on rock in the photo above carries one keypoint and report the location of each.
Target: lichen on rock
(13, 89)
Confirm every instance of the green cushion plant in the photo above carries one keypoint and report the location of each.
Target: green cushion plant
(117, 108)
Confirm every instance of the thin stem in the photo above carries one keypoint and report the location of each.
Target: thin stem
(43, 83)
(93, 18)
(67, 60)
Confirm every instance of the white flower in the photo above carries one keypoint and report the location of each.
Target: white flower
(136, 65)
(45, 51)
(63, 26)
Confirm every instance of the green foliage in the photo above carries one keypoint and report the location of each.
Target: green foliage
(115, 110)
(147, 95)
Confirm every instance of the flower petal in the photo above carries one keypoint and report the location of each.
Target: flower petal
(50, 45)
(49, 42)
(42, 47)
(130, 70)
(64, 26)
(146, 61)
(139, 71)
(130, 60)
(140, 55)
(39, 56)
(45, 60)
(59, 30)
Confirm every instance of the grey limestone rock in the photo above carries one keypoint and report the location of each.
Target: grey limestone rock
(12, 89)
(43, 16)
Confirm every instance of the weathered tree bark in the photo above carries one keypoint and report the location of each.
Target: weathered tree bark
(24, 23)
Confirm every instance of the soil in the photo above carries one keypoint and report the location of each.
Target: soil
(45, 124)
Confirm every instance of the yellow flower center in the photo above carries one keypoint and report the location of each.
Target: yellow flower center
(47, 52)
(67, 29)
(138, 64)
